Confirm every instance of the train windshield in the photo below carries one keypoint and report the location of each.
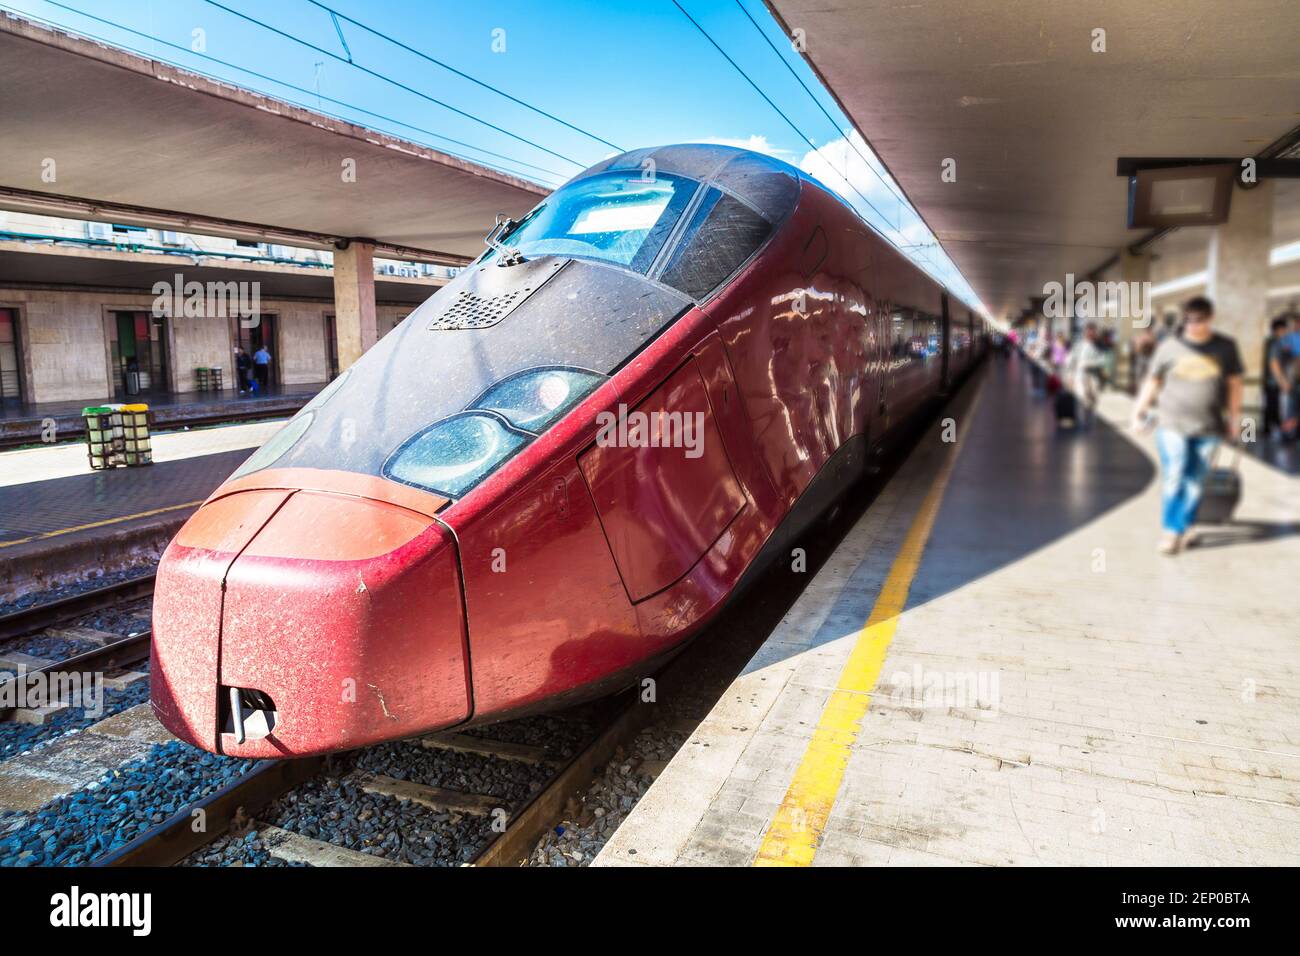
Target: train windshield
(622, 218)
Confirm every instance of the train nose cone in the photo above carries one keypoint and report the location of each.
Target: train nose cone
(294, 622)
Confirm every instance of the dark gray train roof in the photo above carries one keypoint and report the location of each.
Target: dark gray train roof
(769, 185)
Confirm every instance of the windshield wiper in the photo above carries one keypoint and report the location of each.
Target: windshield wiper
(505, 255)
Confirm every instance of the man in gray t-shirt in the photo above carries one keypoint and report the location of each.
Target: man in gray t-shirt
(1193, 379)
(1194, 383)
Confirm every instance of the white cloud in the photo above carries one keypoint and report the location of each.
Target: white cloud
(756, 143)
(840, 166)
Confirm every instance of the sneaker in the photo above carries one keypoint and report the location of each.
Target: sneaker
(1168, 543)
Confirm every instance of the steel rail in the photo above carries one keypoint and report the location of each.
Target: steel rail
(30, 619)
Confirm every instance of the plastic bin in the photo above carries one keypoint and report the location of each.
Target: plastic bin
(137, 448)
(105, 439)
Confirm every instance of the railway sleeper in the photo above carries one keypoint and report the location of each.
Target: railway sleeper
(465, 743)
(295, 848)
(435, 798)
(90, 635)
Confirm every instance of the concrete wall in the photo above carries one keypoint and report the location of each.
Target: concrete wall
(1284, 286)
(199, 342)
(387, 317)
(301, 341)
(64, 354)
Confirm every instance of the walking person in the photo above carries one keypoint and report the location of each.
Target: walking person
(1039, 352)
(1144, 349)
(1194, 379)
(1060, 352)
(262, 368)
(1087, 364)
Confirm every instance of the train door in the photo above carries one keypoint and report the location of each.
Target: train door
(663, 485)
(10, 382)
(139, 349)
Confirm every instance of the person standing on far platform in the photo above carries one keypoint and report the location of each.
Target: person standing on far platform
(1193, 379)
(1283, 374)
(243, 368)
(262, 368)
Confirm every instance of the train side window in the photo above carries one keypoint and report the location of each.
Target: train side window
(724, 233)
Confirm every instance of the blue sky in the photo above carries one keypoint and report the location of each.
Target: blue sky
(628, 72)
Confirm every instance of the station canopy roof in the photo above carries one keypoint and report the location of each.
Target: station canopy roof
(65, 265)
(1036, 120)
(140, 142)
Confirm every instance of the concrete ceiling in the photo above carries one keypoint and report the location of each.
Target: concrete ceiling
(124, 130)
(1012, 91)
(59, 266)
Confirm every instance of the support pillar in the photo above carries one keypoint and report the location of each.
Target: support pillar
(1135, 272)
(1238, 278)
(355, 328)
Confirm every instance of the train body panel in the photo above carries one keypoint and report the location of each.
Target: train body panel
(663, 486)
(557, 469)
(547, 610)
(383, 595)
(185, 669)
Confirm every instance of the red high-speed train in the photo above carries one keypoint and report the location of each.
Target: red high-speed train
(556, 469)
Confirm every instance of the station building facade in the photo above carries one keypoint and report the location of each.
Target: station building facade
(93, 311)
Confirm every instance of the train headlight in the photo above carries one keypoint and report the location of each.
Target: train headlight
(453, 455)
(534, 399)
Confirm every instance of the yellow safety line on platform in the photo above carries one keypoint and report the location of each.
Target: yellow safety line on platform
(796, 829)
(100, 524)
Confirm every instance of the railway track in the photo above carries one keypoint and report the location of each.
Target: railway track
(112, 653)
(52, 613)
(235, 809)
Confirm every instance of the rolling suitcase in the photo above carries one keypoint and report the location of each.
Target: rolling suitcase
(1220, 493)
(1065, 406)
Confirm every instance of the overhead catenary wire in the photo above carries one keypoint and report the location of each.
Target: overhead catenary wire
(388, 79)
(848, 139)
(250, 72)
(767, 99)
(888, 184)
(446, 66)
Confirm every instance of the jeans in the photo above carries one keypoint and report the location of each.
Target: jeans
(1288, 404)
(1184, 462)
